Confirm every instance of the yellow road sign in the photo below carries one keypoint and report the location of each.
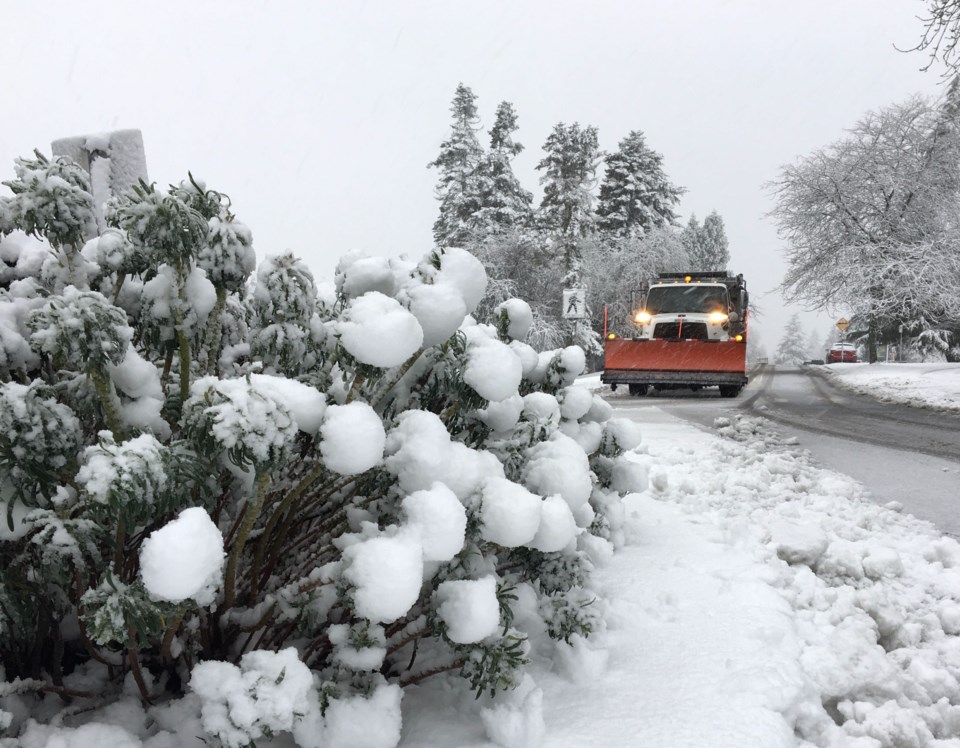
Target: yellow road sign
(842, 324)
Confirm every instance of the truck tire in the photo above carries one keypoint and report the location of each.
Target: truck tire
(730, 390)
(638, 390)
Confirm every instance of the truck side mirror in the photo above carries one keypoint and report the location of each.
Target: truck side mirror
(733, 317)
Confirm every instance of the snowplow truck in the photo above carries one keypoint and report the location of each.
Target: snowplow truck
(689, 331)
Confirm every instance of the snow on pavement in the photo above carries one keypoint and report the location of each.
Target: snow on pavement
(935, 385)
(690, 622)
(760, 601)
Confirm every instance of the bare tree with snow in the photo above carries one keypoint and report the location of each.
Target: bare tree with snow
(868, 220)
(941, 34)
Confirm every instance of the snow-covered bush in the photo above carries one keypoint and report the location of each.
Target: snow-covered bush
(288, 499)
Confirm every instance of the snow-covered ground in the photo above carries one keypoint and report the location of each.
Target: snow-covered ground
(762, 601)
(922, 385)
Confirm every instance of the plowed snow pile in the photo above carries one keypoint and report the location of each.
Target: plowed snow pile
(874, 594)
(935, 386)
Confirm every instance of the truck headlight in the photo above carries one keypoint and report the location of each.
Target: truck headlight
(642, 317)
(717, 318)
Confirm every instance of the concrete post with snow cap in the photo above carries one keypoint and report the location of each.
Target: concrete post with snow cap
(115, 161)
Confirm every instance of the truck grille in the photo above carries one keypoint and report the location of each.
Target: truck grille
(691, 330)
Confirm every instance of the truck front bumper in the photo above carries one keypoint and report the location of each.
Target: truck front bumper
(703, 378)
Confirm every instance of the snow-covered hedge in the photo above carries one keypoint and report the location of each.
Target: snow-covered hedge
(286, 500)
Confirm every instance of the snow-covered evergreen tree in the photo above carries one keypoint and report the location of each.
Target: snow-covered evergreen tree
(569, 166)
(458, 164)
(635, 194)
(692, 239)
(504, 203)
(947, 324)
(714, 247)
(502, 233)
(707, 245)
(791, 350)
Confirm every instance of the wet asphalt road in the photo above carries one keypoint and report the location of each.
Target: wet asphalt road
(801, 398)
(805, 400)
(900, 453)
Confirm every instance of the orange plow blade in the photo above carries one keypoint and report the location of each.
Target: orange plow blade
(681, 362)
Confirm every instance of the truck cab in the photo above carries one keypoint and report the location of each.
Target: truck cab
(687, 310)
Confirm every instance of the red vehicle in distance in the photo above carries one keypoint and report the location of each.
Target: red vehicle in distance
(842, 353)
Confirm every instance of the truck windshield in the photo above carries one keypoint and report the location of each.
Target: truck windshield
(686, 299)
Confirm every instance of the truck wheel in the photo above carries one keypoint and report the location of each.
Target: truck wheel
(730, 390)
(638, 390)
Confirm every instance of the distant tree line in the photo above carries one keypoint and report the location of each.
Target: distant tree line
(870, 225)
(604, 234)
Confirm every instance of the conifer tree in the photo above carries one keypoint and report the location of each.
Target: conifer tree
(504, 204)
(504, 237)
(572, 154)
(458, 188)
(635, 195)
(941, 150)
(707, 245)
(692, 238)
(714, 244)
(569, 166)
(792, 347)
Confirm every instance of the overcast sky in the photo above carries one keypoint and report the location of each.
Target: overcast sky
(318, 118)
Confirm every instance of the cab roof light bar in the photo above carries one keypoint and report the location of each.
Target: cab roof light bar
(713, 275)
